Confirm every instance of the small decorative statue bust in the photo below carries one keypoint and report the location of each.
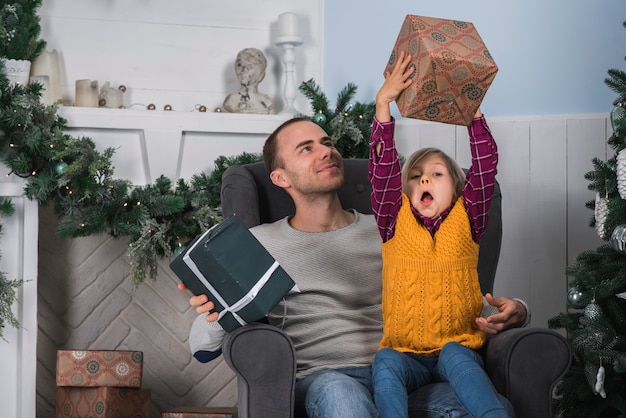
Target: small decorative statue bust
(250, 69)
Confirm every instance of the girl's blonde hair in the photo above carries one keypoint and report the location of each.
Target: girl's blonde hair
(419, 156)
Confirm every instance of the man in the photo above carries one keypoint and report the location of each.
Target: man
(334, 256)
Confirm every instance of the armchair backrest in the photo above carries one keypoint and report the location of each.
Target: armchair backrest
(248, 191)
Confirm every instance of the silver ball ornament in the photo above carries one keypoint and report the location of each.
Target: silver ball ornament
(575, 298)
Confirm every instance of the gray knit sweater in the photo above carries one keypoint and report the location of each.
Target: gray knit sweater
(335, 320)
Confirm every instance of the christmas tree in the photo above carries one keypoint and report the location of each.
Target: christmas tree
(595, 385)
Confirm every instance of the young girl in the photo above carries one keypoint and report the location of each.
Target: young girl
(430, 217)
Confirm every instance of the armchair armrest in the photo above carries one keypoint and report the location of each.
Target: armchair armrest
(264, 360)
(239, 190)
(524, 364)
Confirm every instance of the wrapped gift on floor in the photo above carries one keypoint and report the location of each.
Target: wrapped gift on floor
(229, 265)
(114, 368)
(453, 69)
(102, 402)
(201, 412)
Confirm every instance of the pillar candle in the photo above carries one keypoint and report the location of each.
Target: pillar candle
(48, 64)
(287, 24)
(86, 93)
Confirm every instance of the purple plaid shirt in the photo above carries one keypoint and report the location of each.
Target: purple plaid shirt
(385, 174)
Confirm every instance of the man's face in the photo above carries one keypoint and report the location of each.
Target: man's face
(311, 163)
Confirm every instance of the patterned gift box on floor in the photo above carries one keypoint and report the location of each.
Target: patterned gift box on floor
(102, 402)
(114, 368)
(201, 412)
(452, 69)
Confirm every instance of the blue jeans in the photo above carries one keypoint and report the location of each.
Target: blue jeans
(337, 393)
(395, 374)
(348, 393)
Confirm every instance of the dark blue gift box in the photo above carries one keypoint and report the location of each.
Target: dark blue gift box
(229, 265)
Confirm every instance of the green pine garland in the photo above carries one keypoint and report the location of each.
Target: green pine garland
(159, 219)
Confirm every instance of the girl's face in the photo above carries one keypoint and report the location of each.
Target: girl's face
(430, 187)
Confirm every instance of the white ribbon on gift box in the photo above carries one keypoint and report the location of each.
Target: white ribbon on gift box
(243, 301)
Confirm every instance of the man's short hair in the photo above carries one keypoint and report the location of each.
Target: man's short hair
(270, 148)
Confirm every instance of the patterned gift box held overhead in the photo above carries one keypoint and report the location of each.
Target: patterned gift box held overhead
(453, 69)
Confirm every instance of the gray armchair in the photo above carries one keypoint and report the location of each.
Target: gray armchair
(524, 364)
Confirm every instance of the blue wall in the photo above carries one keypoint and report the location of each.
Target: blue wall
(553, 55)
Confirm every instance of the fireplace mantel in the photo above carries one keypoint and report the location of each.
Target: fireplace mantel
(103, 118)
(150, 143)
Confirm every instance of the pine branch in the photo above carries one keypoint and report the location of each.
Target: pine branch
(144, 252)
(617, 82)
(343, 98)
(319, 101)
(8, 297)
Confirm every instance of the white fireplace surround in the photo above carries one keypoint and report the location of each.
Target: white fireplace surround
(148, 144)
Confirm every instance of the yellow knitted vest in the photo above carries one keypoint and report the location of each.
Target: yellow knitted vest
(431, 292)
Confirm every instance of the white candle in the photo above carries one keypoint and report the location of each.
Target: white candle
(287, 24)
(86, 93)
(48, 64)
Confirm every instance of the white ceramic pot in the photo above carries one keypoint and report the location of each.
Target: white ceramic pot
(18, 71)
